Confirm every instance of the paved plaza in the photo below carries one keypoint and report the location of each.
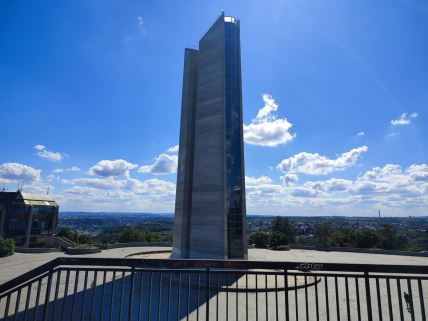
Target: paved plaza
(157, 295)
(19, 263)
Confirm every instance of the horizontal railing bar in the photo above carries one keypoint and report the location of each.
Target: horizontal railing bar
(235, 266)
(23, 285)
(28, 275)
(244, 264)
(249, 272)
(83, 268)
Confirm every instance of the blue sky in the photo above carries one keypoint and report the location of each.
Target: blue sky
(335, 98)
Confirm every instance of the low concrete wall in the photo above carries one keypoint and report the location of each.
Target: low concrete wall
(135, 244)
(76, 251)
(36, 250)
(357, 250)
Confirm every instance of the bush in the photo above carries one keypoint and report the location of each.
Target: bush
(359, 238)
(85, 247)
(260, 239)
(7, 247)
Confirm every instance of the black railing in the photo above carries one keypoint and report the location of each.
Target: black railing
(149, 289)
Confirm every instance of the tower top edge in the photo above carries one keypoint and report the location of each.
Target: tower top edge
(231, 19)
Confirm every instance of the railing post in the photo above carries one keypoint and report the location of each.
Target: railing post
(131, 294)
(207, 296)
(47, 296)
(368, 297)
(287, 312)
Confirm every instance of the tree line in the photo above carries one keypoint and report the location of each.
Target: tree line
(283, 233)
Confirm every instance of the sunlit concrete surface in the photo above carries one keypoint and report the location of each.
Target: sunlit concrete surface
(19, 263)
(150, 288)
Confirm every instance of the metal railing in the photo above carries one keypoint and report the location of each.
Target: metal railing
(150, 289)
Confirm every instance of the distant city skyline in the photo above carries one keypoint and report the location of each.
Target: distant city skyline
(334, 102)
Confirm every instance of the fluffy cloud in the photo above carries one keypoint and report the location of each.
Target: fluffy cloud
(418, 172)
(257, 180)
(403, 119)
(62, 170)
(268, 109)
(108, 168)
(331, 185)
(289, 179)
(391, 188)
(361, 134)
(400, 191)
(19, 172)
(99, 183)
(266, 129)
(164, 164)
(173, 149)
(110, 194)
(316, 164)
(52, 156)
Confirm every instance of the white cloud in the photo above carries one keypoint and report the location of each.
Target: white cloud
(361, 134)
(304, 192)
(52, 156)
(403, 119)
(19, 172)
(289, 179)
(257, 180)
(70, 169)
(315, 164)
(394, 190)
(99, 183)
(268, 109)
(164, 164)
(392, 135)
(331, 185)
(39, 147)
(418, 172)
(140, 22)
(109, 194)
(107, 168)
(173, 149)
(266, 129)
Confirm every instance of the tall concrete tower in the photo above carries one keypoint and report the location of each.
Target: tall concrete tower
(210, 213)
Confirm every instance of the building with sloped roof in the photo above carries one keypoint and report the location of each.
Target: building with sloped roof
(26, 217)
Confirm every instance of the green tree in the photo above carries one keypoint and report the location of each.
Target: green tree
(342, 238)
(67, 233)
(390, 239)
(74, 236)
(365, 238)
(260, 239)
(283, 232)
(323, 234)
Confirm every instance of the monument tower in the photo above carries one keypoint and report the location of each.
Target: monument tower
(210, 213)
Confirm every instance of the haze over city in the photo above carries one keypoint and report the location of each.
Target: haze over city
(334, 103)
